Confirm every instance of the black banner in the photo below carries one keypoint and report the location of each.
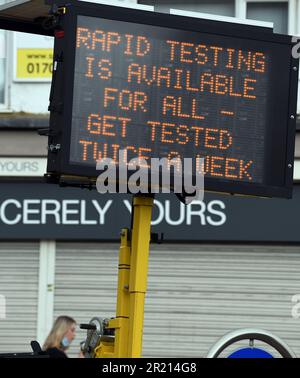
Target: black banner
(44, 211)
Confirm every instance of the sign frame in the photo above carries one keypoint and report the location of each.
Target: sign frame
(60, 170)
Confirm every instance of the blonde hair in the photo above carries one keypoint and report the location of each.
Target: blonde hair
(61, 325)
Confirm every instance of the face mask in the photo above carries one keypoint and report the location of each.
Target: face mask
(65, 342)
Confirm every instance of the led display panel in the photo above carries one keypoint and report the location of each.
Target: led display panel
(168, 86)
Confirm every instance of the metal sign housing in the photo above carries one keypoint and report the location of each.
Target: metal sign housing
(159, 85)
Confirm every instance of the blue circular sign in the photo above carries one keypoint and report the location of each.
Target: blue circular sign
(250, 353)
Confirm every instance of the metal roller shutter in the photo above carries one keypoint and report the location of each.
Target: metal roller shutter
(196, 293)
(199, 293)
(19, 275)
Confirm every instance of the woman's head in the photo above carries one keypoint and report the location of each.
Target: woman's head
(61, 334)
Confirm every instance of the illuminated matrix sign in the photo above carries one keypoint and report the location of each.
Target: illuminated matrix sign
(163, 92)
(158, 93)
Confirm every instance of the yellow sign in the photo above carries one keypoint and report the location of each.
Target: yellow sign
(34, 64)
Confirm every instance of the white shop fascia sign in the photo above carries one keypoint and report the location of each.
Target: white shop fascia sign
(23, 166)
